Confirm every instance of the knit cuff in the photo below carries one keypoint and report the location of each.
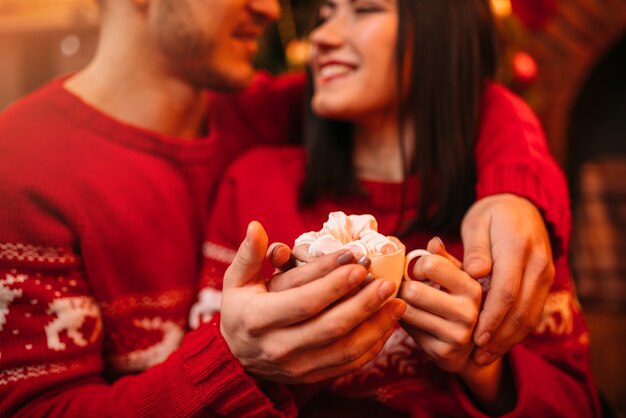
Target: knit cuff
(522, 377)
(221, 384)
(545, 193)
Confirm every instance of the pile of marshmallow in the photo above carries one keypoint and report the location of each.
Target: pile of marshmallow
(357, 233)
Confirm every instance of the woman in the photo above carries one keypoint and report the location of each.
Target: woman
(406, 125)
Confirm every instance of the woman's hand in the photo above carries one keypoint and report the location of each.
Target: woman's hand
(442, 320)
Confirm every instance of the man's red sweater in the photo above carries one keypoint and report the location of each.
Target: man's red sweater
(551, 368)
(101, 226)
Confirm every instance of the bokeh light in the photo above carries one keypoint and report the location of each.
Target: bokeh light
(501, 8)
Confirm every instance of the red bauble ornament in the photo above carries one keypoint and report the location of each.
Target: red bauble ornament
(525, 68)
(534, 14)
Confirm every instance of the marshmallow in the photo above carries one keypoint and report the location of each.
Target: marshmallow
(357, 233)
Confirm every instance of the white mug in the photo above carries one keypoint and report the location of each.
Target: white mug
(394, 266)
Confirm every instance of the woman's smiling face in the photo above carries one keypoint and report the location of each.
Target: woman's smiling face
(353, 59)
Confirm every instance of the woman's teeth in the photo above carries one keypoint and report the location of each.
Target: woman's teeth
(334, 70)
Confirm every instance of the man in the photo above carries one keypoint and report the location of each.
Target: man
(106, 179)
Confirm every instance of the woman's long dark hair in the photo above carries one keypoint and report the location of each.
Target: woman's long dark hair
(452, 55)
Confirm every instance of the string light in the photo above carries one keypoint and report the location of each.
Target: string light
(501, 8)
(297, 53)
(525, 68)
(296, 49)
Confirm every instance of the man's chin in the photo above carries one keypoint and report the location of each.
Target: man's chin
(231, 81)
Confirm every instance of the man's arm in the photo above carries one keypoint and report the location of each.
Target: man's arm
(518, 225)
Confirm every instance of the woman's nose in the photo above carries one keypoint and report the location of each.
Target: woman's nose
(330, 34)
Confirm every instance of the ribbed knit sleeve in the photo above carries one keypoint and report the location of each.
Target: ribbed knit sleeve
(512, 156)
(219, 380)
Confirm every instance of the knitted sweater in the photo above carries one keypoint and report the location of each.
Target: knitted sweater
(551, 367)
(101, 226)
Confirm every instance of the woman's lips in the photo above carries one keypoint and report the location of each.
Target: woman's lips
(334, 70)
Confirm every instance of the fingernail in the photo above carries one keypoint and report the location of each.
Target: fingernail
(386, 289)
(365, 262)
(483, 339)
(440, 242)
(475, 264)
(368, 279)
(484, 359)
(345, 258)
(275, 250)
(398, 310)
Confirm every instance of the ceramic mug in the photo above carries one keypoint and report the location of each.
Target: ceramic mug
(413, 255)
(394, 266)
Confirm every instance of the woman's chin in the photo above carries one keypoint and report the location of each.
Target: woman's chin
(331, 111)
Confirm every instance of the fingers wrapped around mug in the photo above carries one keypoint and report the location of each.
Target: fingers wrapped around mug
(442, 320)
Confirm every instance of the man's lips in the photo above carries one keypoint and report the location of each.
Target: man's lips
(249, 33)
(249, 37)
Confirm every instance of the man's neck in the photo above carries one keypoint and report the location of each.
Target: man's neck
(155, 102)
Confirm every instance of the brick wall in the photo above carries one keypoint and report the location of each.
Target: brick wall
(566, 51)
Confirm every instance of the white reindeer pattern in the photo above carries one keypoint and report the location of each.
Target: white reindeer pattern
(559, 305)
(70, 314)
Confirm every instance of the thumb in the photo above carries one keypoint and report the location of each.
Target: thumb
(248, 261)
(477, 260)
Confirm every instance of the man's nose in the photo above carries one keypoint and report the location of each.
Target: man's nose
(269, 9)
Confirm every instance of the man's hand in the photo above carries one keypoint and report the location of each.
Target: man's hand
(505, 236)
(303, 334)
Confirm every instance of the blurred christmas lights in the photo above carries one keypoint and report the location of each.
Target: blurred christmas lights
(501, 8)
(525, 68)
